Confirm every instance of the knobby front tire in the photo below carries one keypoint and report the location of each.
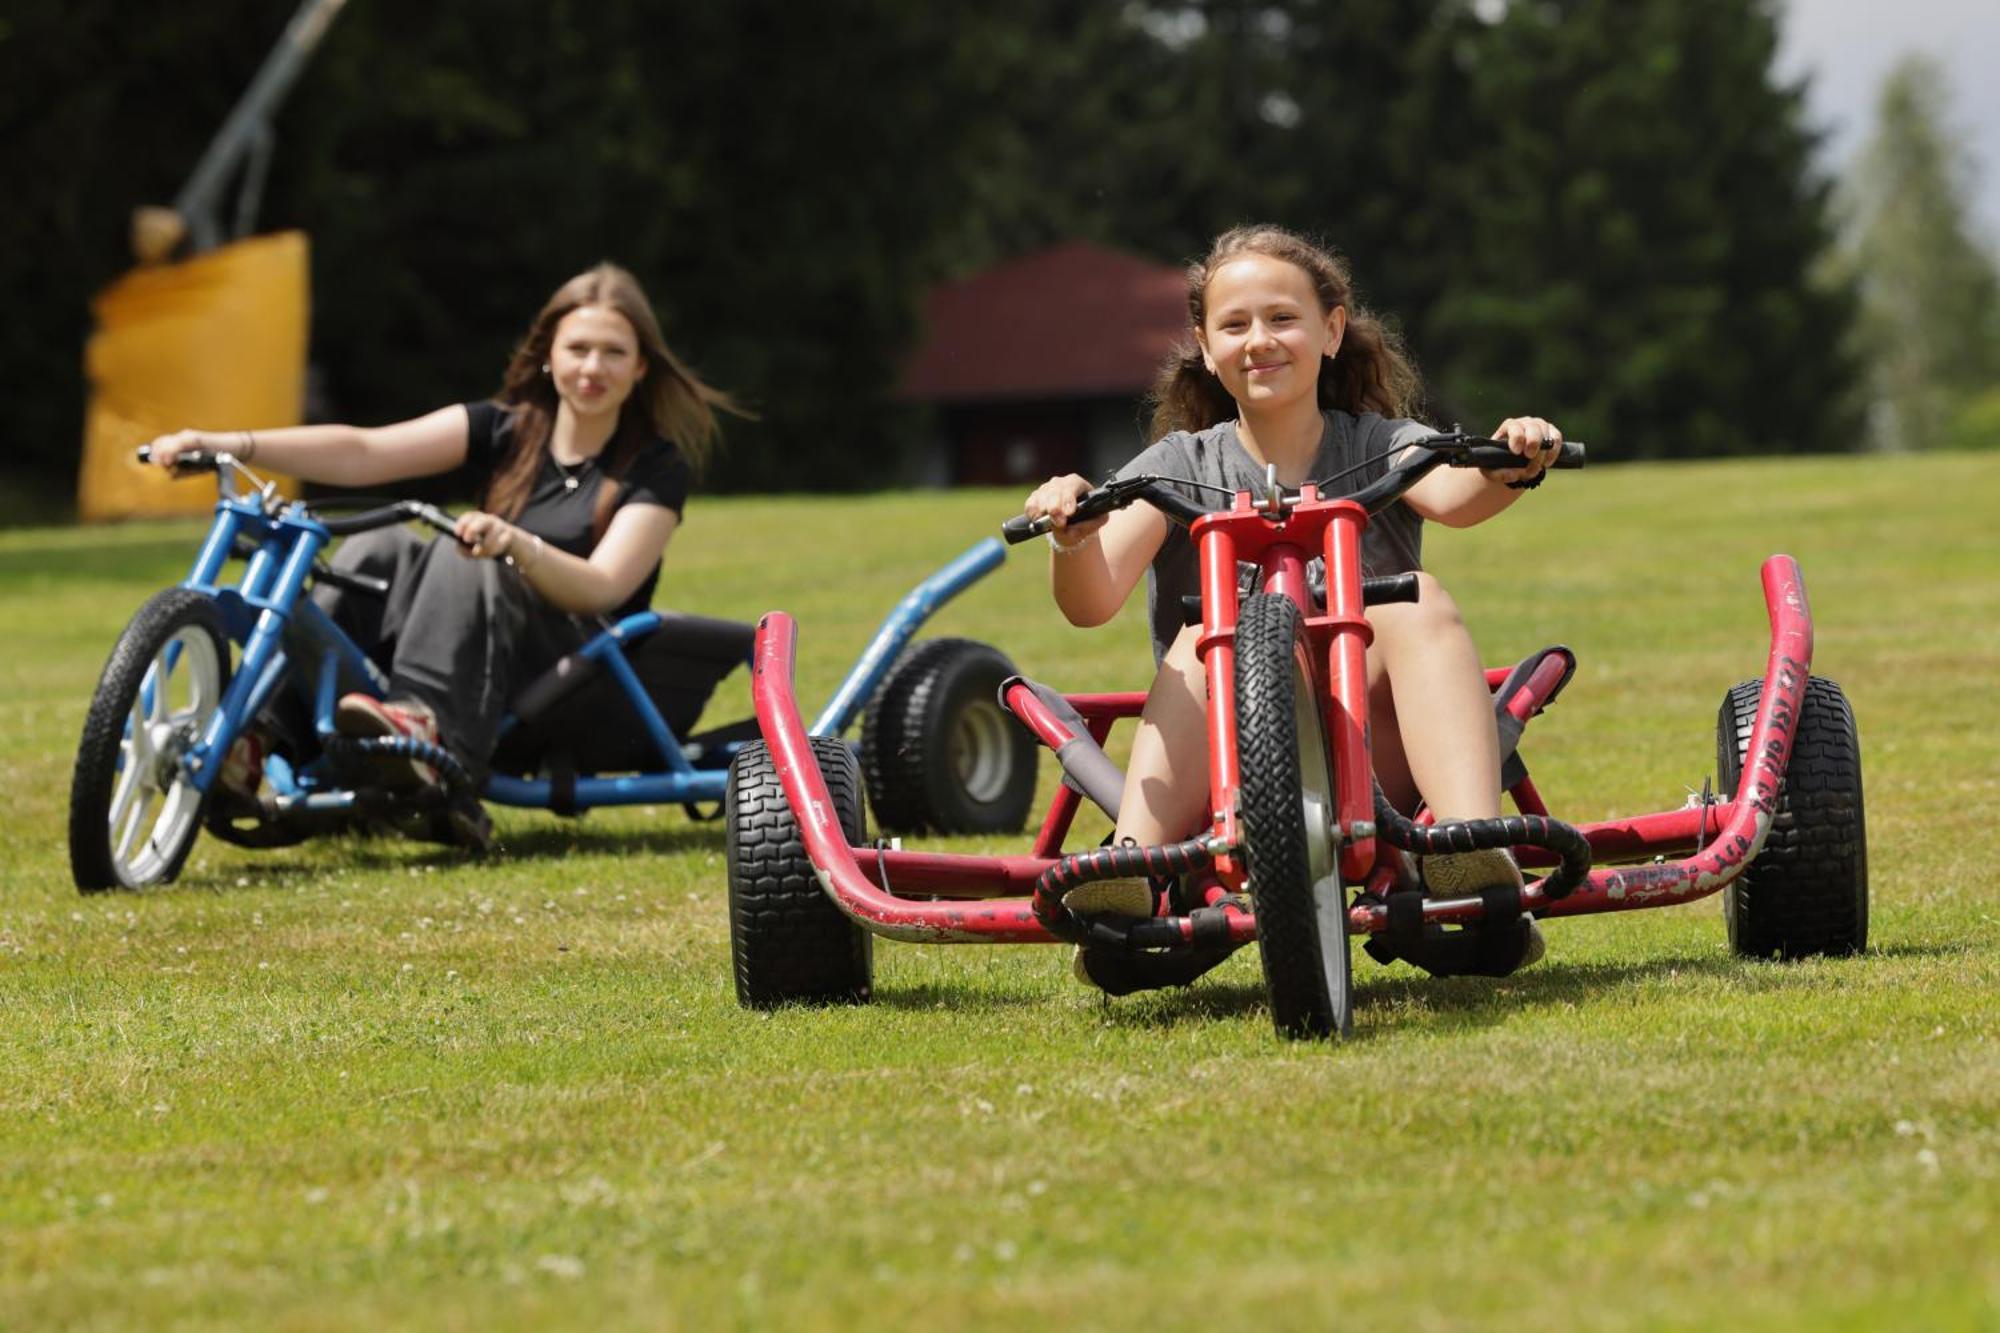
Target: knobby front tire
(1288, 807)
(788, 942)
(1807, 891)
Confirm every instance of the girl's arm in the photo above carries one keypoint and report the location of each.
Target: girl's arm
(633, 543)
(1460, 497)
(1097, 563)
(338, 455)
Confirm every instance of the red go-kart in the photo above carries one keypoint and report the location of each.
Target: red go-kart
(1303, 854)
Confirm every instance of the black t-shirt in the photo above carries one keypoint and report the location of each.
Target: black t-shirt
(562, 515)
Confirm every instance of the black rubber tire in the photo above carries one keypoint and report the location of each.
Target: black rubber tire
(788, 942)
(1807, 891)
(939, 751)
(95, 861)
(1287, 808)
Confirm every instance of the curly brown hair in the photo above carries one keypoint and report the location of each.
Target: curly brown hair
(670, 403)
(1373, 373)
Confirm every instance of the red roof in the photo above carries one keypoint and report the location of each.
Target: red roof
(1071, 321)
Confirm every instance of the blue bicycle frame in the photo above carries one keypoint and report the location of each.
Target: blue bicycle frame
(283, 635)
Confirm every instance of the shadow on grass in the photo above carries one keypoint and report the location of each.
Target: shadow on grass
(959, 997)
(568, 839)
(389, 852)
(1546, 983)
(1478, 1001)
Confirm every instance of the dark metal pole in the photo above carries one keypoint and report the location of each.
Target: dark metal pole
(247, 127)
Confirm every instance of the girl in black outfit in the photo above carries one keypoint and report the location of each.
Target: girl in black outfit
(584, 462)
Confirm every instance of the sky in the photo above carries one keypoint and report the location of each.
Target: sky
(1847, 46)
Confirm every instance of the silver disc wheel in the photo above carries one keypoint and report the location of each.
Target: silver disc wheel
(982, 755)
(133, 813)
(937, 750)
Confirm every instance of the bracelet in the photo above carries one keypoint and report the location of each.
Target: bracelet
(249, 446)
(1070, 548)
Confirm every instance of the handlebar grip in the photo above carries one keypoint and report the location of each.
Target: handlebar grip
(1499, 458)
(1389, 588)
(1021, 528)
(194, 460)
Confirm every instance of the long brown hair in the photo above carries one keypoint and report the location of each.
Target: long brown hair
(670, 403)
(1372, 373)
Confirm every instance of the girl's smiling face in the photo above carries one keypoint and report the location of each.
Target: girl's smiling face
(1264, 334)
(595, 361)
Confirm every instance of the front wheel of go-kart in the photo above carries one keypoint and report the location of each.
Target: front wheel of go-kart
(1288, 808)
(133, 815)
(1807, 890)
(788, 941)
(938, 750)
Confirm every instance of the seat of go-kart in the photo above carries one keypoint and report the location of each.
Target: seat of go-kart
(577, 715)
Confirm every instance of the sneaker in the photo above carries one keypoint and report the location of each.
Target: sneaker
(364, 717)
(1536, 948)
(1105, 897)
(243, 768)
(1467, 874)
(1110, 897)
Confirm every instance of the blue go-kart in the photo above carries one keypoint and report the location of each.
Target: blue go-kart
(211, 661)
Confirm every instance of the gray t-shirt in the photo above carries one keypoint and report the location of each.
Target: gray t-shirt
(1392, 544)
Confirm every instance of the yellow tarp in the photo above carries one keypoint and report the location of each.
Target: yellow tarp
(216, 342)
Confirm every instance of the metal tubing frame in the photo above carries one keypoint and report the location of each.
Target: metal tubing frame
(1001, 921)
(1740, 826)
(270, 593)
(901, 624)
(1721, 838)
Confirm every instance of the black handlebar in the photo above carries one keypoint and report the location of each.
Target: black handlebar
(378, 516)
(194, 460)
(1114, 494)
(1455, 449)
(402, 511)
(1499, 458)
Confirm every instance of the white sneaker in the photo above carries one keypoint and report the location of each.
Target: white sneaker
(1105, 897)
(1467, 874)
(1110, 897)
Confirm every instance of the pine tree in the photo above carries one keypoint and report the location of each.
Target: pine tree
(1929, 329)
(1641, 223)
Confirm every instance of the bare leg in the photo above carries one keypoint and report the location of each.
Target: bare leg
(1437, 736)
(1166, 781)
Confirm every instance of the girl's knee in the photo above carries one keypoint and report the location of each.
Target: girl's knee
(1435, 611)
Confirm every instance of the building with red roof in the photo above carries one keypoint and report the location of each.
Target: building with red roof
(1040, 365)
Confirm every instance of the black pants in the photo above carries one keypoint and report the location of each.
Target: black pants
(457, 634)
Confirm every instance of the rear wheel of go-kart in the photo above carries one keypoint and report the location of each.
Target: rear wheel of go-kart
(1807, 891)
(787, 939)
(939, 751)
(1288, 811)
(133, 815)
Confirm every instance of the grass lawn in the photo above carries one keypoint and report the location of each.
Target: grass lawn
(373, 1083)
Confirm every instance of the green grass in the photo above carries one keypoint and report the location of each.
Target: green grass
(368, 1083)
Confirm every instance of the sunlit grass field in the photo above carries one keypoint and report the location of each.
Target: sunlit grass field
(368, 1083)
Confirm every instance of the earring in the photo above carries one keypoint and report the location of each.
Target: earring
(545, 368)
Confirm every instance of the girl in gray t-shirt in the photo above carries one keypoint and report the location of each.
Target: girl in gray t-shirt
(1286, 368)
